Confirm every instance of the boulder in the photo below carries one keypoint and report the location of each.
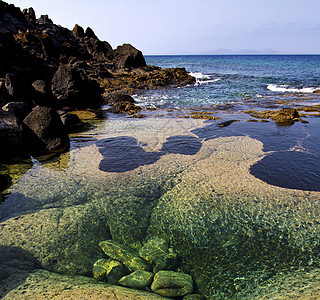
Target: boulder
(124, 254)
(154, 249)
(129, 57)
(194, 297)
(172, 284)
(71, 122)
(100, 51)
(71, 89)
(99, 269)
(17, 87)
(113, 98)
(11, 140)
(19, 109)
(46, 131)
(115, 270)
(41, 94)
(137, 280)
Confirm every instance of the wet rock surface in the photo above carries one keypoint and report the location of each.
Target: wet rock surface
(172, 284)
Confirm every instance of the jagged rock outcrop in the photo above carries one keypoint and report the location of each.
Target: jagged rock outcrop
(33, 49)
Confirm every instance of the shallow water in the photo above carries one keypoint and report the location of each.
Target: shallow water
(240, 203)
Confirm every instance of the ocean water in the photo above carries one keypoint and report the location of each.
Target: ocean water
(234, 78)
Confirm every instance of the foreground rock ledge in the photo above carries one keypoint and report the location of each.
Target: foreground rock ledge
(42, 284)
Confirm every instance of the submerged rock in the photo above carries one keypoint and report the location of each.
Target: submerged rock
(124, 254)
(172, 284)
(154, 249)
(99, 269)
(137, 280)
(115, 270)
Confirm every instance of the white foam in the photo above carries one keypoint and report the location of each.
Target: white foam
(286, 89)
(207, 81)
(199, 76)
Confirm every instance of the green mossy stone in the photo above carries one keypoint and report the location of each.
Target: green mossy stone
(194, 297)
(99, 269)
(137, 280)
(172, 284)
(115, 270)
(154, 249)
(125, 255)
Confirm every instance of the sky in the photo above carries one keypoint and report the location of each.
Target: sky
(193, 27)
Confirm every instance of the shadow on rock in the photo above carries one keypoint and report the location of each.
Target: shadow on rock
(289, 169)
(15, 266)
(182, 144)
(121, 154)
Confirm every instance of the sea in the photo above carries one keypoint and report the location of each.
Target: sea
(234, 78)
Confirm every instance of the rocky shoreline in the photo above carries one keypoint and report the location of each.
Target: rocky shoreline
(45, 65)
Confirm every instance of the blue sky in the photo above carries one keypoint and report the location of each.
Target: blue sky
(193, 27)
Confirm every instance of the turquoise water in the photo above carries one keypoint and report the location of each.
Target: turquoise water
(234, 78)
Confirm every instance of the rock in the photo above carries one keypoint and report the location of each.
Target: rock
(30, 14)
(90, 33)
(153, 249)
(124, 107)
(17, 88)
(71, 122)
(71, 89)
(227, 123)
(41, 284)
(41, 94)
(5, 181)
(172, 284)
(19, 109)
(99, 269)
(194, 297)
(286, 115)
(129, 57)
(115, 270)
(124, 254)
(113, 98)
(46, 131)
(137, 280)
(156, 251)
(78, 31)
(11, 140)
(168, 261)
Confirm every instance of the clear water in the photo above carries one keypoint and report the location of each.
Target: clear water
(240, 204)
(234, 78)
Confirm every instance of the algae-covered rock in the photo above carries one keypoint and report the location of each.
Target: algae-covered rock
(99, 269)
(124, 254)
(167, 261)
(115, 270)
(172, 284)
(137, 280)
(194, 297)
(153, 249)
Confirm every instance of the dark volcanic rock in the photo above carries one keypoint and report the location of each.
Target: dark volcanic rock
(117, 98)
(5, 181)
(19, 109)
(10, 135)
(71, 122)
(71, 89)
(78, 31)
(41, 94)
(128, 56)
(46, 130)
